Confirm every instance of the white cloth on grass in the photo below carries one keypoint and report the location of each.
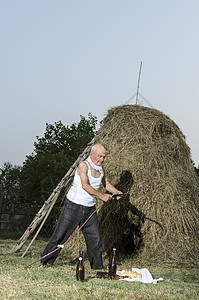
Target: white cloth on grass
(146, 276)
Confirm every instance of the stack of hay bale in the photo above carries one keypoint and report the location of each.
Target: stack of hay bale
(148, 158)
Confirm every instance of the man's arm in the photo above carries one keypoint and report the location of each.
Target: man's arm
(109, 187)
(82, 172)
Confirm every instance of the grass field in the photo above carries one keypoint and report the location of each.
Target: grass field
(59, 282)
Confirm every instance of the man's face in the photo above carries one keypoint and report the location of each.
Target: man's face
(98, 156)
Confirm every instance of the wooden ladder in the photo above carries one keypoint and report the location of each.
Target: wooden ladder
(49, 203)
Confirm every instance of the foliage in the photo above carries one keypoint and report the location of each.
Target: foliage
(52, 156)
(10, 178)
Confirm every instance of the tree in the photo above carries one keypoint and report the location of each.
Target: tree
(27, 187)
(10, 178)
(53, 155)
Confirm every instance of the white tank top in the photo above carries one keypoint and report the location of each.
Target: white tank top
(78, 195)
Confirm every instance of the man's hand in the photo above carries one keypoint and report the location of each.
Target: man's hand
(120, 195)
(106, 197)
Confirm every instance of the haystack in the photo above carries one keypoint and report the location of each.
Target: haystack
(148, 158)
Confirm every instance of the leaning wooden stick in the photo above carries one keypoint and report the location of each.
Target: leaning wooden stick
(70, 238)
(114, 196)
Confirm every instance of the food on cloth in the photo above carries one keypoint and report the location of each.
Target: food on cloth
(131, 274)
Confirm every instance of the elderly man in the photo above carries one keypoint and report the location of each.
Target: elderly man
(79, 205)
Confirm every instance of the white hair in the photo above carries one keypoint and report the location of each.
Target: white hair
(93, 148)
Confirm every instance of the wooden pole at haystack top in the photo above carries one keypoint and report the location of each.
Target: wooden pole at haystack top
(138, 84)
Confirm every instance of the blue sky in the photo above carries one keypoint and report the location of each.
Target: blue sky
(62, 59)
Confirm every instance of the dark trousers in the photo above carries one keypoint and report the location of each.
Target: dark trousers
(73, 215)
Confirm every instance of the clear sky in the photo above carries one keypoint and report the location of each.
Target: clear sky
(64, 58)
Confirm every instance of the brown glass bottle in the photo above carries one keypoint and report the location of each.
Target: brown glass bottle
(80, 270)
(113, 265)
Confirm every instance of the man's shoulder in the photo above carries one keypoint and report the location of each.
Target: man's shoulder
(83, 163)
(83, 166)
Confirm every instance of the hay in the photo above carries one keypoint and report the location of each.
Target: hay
(148, 158)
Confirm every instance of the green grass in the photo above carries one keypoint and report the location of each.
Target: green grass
(59, 282)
